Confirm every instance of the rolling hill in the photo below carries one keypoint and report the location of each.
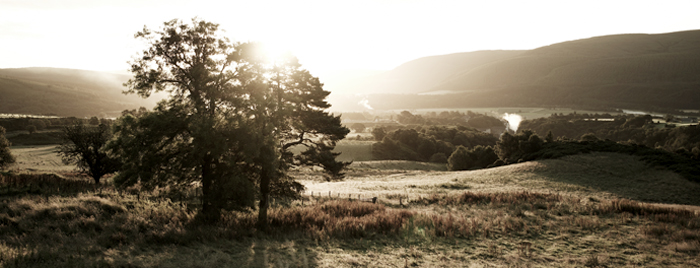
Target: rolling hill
(65, 92)
(417, 75)
(641, 71)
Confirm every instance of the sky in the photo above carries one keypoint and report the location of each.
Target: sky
(327, 36)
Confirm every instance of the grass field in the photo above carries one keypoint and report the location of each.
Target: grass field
(577, 211)
(353, 150)
(40, 158)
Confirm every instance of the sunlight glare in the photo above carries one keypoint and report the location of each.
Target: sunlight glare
(275, 51)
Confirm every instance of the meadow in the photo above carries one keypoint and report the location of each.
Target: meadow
(591, 210)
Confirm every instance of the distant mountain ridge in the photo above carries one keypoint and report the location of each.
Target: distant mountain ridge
(633, 71)
(65, 92)
(622, 71)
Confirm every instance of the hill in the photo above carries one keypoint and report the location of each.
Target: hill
(417, 75)
(639, 71)
(65, 92)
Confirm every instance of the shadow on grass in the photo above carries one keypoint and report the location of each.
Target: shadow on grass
(622, 175)
(118, 231)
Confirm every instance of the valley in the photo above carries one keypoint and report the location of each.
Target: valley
(583, 153)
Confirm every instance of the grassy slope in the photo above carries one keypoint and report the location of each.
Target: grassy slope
(65, 92)
(570, 215)
(599, 175)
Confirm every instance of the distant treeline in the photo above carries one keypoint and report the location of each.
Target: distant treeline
(25, 123)
(621, 128)
(445, 118)
(434, 136)
(452, 118)
(433, 144)
(463, 148)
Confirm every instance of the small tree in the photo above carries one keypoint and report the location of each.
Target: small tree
(83, 146)
(94, 121)
(6, 157)
(358, 127)
(549, 137)
(31, 129)
(511, 148)
(378, 133)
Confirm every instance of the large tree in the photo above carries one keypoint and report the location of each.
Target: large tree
(231, 120)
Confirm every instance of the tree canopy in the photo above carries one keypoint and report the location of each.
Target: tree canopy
(232, 117)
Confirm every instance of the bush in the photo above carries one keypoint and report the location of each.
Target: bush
(511, 148)
(589, 137)
(31, 129)
(378, 133)
(6, 157)
(477, 157)
(358, 127)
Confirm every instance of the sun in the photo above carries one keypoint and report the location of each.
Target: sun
(275, 51)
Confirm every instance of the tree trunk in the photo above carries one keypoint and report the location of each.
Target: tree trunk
(209, 210)
(264, 197)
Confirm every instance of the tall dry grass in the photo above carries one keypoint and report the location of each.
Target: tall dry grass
(85, 226)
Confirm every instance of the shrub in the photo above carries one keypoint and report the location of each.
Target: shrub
(589, 137)
(378, 133)
(31, 129)
(6, 157)
(358, 127)
(477, 157)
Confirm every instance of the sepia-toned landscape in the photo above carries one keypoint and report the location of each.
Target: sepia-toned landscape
(214, 150)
